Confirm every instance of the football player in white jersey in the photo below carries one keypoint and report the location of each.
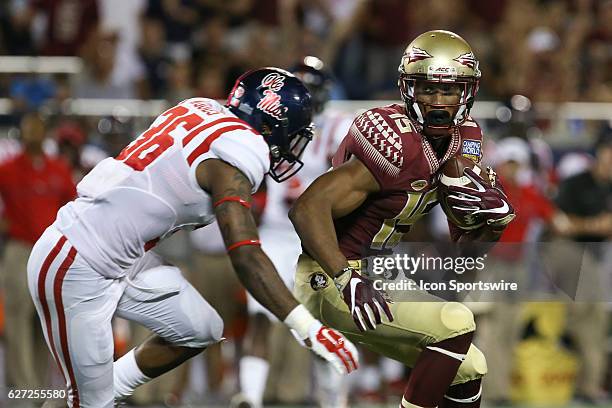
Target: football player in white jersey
(197, 161)
(280, 241)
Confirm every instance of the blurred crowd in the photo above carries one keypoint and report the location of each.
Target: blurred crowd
(531, 51)
(548, 50)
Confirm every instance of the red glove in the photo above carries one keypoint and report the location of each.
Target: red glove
(324, 341)
(365, 303)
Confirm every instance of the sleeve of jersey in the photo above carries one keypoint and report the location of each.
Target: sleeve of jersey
(378, 146)
(244, 150)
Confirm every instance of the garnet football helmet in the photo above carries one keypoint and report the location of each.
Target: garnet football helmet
(317, 79)
(438, 59)
(276, 104)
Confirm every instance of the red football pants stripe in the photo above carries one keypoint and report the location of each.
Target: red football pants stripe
(42, 276)
(61, 317)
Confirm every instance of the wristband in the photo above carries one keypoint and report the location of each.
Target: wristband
(300, 320)
(342, 277)
(243, 243)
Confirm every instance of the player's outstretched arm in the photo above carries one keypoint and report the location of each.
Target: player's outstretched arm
(237, 225)
(231, 194)
(333, 195)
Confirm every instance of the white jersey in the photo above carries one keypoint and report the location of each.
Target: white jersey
(128, 203)
(330, 128)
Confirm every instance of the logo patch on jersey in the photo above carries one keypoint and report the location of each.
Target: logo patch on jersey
(318, 281)
(418, 184)
(270, 103)
(471, 149)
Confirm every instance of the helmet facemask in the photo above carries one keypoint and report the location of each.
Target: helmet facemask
(439, 104)
(285, 158)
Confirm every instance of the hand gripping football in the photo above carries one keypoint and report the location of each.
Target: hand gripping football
(452, 174)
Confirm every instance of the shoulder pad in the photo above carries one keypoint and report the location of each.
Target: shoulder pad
(377, 131)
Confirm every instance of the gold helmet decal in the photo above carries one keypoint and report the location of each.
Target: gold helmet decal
(439, 56)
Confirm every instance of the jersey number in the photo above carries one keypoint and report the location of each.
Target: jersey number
(392, 230)
(158, 138)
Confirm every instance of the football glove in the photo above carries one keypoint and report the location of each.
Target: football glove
(485, 203)
(365, 303)
(325, 342)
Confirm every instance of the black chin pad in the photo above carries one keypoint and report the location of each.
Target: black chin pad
(438, 117)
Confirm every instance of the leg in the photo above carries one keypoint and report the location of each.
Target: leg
(156, 356)
(75, 306)
(429, 335)
(162, 300)
(254, 366)
(21, 344)
(213, 276)
(283, 249)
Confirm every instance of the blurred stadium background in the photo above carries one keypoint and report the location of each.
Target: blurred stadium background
(97, 71)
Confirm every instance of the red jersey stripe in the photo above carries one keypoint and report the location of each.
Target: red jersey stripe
(205, 145)
(205, 126)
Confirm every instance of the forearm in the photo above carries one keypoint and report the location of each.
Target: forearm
(258, 275)
(600, 225)
(314, 224)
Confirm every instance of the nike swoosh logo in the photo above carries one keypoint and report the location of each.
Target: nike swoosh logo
(479, 186)
(456, 356)
(354, 282)
(499, 210)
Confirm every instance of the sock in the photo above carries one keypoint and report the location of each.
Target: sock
(253, 377)
(466, 395)
(435, 370)
(127, 375)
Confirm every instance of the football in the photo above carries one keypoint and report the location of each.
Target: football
(451, 174)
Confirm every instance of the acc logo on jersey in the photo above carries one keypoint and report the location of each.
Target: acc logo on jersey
(318, 281)
(418, 184)
(270, 103)
(471, 149)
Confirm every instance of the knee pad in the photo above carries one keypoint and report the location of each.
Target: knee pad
(473, 367)
(457, 318)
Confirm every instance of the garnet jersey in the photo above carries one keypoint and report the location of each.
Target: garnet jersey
(128, 203)
(405, 164)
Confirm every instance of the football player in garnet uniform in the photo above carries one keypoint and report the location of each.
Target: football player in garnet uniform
(197, 162)
(383, 180)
